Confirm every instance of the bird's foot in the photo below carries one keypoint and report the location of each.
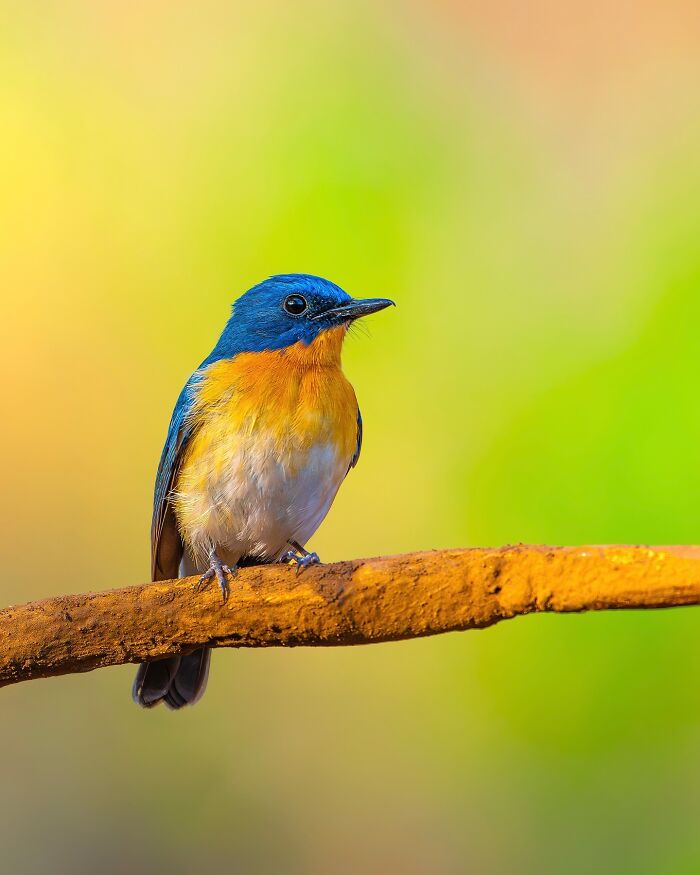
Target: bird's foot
(218, 570)
(300, 557)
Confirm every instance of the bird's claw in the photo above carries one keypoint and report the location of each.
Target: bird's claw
(219, 571)
(301, 560)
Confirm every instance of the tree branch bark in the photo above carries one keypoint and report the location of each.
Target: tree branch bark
(358, 602)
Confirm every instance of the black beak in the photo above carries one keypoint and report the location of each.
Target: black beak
(355, 309)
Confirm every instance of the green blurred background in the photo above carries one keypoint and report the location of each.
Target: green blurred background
(523, 179)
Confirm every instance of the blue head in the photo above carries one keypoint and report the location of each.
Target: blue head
(287, 309)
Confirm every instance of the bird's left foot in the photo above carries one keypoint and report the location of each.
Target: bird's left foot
(217, 570)
(300, 556)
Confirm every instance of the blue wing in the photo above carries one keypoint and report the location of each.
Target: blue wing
(356, 455)
(166, 544)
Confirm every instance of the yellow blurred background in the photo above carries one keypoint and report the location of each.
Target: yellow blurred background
(523, 179)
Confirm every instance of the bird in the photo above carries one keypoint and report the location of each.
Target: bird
(261, 437)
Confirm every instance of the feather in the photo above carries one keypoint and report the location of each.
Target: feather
(166, 544)
(356, 455)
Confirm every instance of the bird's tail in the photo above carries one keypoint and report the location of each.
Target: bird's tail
(175, 680)
(180, 680)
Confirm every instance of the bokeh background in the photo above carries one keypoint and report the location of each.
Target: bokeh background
(523, 178)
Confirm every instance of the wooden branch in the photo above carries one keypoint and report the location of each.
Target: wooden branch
(358, 602)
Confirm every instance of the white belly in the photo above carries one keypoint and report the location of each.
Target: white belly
(255, 500)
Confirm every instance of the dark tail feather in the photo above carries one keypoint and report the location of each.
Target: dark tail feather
(191, 679)
(153, 680)
(176, 680)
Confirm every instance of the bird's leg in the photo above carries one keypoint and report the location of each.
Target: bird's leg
(300, 556)
(216, 569)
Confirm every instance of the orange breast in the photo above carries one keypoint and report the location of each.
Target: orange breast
(299, 394)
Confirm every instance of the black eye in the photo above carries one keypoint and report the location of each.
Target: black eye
(295, 304)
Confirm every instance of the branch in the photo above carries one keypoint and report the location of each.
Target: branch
(358, 602)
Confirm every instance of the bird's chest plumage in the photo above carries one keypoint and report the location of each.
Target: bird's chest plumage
(274, 435)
